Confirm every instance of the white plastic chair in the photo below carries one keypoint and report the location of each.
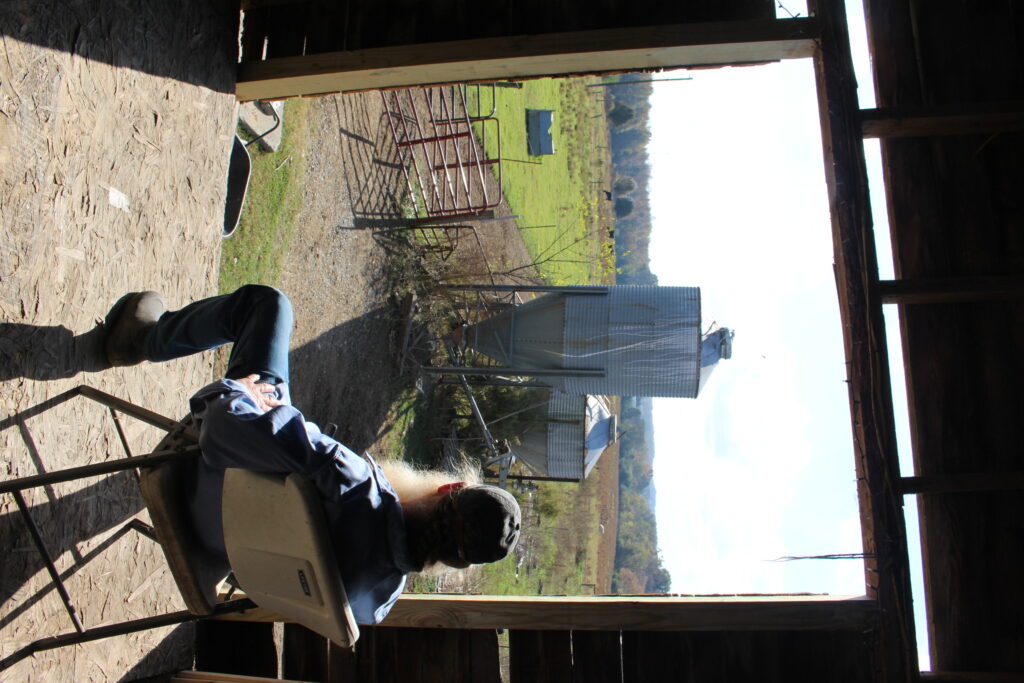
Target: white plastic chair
(281, 551)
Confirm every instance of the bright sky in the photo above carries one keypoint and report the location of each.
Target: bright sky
(760, 466)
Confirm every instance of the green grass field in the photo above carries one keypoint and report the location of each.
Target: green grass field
(254, 253)
(563, 218)
(562, 214)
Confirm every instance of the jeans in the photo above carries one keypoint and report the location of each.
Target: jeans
(256, 318)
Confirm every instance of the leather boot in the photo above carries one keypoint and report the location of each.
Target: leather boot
(128, 323)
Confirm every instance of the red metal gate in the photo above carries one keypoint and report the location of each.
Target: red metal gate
(442, 150)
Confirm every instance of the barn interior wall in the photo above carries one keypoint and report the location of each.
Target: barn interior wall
(322, 26)
(956, 211)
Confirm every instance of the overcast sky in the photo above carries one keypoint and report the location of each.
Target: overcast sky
(760, 466)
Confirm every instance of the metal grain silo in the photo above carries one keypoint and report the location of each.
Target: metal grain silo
(571, 438)
(623, 340)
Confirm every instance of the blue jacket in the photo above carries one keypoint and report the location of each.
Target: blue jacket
(361, 507)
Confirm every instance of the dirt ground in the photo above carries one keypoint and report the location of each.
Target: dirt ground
(115, 126)
(116, 122)
(345, 278)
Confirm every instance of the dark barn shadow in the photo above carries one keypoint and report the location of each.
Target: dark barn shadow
(173, 654)
(48, 352)
(193, 41)
(350, 376)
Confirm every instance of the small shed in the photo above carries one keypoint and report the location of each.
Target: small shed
(538, 131)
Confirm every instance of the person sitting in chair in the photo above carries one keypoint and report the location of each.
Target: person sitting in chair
(246, 420)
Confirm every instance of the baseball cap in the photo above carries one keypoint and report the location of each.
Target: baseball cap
(487, 521)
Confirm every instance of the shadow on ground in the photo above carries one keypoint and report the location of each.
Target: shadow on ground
(193, 42)
(64, 522)
(363, 381)
(48, 352)
(377, 194)
(178, 644)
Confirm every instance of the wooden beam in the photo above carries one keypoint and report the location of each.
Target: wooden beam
(490, 59)
(625, 612)
(963, 483)
(303, 654)
(971, 677)
(217, 677)
(971, 119)
(951, 290)
(856, 268)
(647, 613)
(257, 4)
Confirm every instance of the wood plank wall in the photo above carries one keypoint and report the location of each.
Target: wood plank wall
(393, 655)
(399, 655)
(316, 26)
(956, 207)
(642, 656)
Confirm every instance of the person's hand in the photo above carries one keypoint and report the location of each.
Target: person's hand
(263, 393)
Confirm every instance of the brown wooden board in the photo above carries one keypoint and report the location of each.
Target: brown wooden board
(654, 656)
(342, 664)
(952, 290)
(776, 657)
(363, 667)
(955, 212)
(970, 677)
(876, 457)
(303, 654)
(254, 32)
(596, 657)
(236, 648)
(636, 612)
(328, 27)
(286, 30)
(525, 56)
(397, 655)
(323, 26)
(540, 656)
(980, 118)
(483, 656)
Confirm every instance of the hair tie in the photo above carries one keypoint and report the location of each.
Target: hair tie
(452, 487)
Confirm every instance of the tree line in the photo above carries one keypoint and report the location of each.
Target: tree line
(638, 564)
(627, 105)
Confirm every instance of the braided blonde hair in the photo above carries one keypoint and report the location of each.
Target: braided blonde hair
(435, 537)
